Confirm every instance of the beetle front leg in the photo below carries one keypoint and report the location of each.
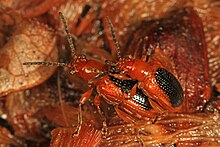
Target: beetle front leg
(125, 116)
(82, 101)
(104, 124)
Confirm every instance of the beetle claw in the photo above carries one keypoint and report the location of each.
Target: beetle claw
(76, 133)
(104, 131)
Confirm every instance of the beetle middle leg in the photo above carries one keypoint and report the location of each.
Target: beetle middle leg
(147, 51)
(125, 116)
(104, 124)
(83, 99)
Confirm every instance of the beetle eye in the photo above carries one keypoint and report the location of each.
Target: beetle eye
(170, 85)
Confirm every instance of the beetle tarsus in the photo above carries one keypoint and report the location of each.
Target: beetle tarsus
(76, 133)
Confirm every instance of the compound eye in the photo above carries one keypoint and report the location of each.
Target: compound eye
(170, 85)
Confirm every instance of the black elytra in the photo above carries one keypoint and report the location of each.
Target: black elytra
(170, 85)
(126, 86)
(142, 99)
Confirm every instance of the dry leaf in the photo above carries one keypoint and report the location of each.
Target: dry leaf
(209, 13)
(31, 41)
(79, 15)
(62, 115)
(84, 25)
(174, 129)
(66, 115)
(89, 136)
(22, 112)
(6, 138)
(127, 15)
(31, 8)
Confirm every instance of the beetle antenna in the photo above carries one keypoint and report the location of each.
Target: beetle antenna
(114, 38)
(47, 64)
(69, 37)
(70, 41)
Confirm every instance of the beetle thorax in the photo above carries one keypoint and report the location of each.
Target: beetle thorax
(135, 68)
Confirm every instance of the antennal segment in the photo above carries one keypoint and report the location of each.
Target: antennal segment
(46, 64)
(69, 37)
(114, 38)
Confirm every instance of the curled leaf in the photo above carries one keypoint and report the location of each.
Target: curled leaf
(31, 41)
(209, 12)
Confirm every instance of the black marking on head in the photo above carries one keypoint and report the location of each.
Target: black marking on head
(170, 85)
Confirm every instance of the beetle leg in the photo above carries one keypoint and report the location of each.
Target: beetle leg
(82, 101)
(156, 106)
(139, 139)
(104, 124)
(101, 74)
(160, 106)
(125, 116)
(147, 51)
(145, 56)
